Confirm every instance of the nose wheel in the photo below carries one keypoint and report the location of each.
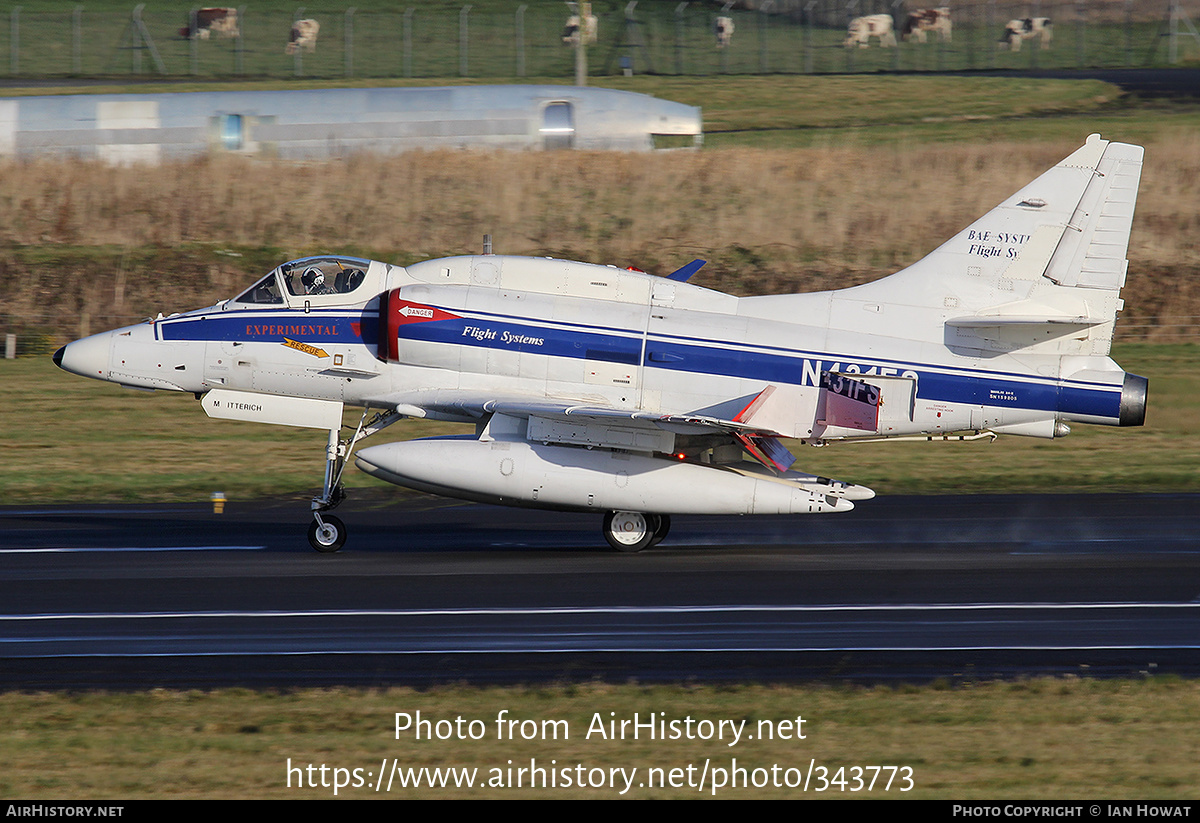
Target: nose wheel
(327, 533)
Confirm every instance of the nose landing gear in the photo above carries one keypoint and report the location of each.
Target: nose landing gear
(327, 534)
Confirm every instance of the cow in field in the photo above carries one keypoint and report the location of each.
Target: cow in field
(224, 22)
(1026, 29)
(927, 20)
(571, 32)
(304, 36)
(723, 29)
(862, 29)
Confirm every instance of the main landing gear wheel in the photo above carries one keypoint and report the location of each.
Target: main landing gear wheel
(327, 536)
(634, 531)
(662, 529)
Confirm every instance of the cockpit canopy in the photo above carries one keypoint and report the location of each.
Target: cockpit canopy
(331, 280)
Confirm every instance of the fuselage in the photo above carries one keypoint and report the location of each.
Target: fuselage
(537, 328)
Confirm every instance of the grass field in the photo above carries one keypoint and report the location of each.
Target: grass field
(1047, 740)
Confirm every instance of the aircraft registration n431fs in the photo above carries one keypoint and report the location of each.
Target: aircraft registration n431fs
(595, 388)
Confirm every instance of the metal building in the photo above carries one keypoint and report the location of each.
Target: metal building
(332, 122)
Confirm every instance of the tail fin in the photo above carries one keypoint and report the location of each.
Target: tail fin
(1041, 271)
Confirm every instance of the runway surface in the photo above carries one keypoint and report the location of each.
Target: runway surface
(433, 591)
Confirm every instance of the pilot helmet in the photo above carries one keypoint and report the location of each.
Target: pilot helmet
(312, 278)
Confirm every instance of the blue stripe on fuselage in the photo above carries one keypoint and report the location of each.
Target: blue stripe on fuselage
(672, 354)
(665, 353)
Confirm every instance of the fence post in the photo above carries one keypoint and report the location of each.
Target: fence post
(584, 11)
(408, 15)
(1080, 32)
(679, 37)
(140, 39)
(1173, 49)
(348, 33)
(899, 4)
(974, 16)
(851, 13)
(1172, 31)
(941, 53)
(239, 48)
(1033, 52)
(520, 23)
(138, 45)
(463, 40)
(991, 27)
(763, 60)
(15, 40)
(77, 40)
(808, 33)
(1128, 32)
(193, 42)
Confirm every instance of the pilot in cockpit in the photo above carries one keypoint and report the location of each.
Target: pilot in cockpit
(313, 281)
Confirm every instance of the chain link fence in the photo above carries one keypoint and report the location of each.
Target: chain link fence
(784, 37)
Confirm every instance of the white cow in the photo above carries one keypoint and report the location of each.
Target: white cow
(1027, 29)
(862, 29)
(723, 29)
(591, 29)
(925, 20)
(304, 36)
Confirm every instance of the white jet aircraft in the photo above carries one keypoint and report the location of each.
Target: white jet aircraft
(595, 388)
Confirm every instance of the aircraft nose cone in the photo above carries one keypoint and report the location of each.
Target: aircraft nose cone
(87, 357)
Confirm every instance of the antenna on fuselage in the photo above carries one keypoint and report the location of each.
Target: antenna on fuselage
(487, 244)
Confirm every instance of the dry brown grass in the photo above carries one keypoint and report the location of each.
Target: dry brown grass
(768, 220)
(849, 202)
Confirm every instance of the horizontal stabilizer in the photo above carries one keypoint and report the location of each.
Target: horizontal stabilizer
(752, 408)
(987, 321)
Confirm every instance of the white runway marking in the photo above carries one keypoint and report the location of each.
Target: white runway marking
(60, 512)
(620, 610)
(84, 549)
(270, 633)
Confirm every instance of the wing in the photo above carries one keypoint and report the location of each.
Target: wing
(566, 422)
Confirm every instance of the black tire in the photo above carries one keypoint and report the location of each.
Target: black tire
(629, 531)
(329, 539)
